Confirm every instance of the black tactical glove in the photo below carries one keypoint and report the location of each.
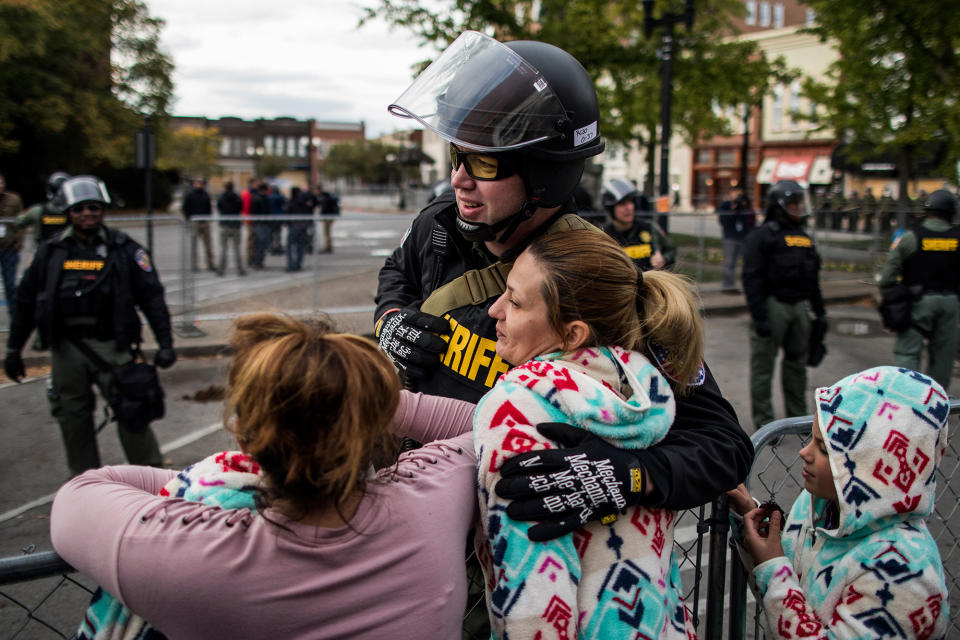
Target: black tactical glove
(165, 357)
(565, 488)
(820, 325)
(13, 366)
(762, 327)
(410, 338)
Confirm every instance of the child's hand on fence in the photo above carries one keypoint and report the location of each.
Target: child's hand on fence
(761, 532)
(740, 500)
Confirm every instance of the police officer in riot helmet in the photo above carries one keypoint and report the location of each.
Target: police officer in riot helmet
(927, 260)
(641, 238)
(521, 118)
(81, 294)
(46, 217)
(781, 279)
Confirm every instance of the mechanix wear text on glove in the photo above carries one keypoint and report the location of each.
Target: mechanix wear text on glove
(410, 338)
(566, 488)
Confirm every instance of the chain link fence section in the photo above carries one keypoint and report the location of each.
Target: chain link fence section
(775, 475)
(40, 596)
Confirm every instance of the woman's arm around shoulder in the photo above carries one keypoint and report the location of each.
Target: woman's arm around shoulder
(91, 513)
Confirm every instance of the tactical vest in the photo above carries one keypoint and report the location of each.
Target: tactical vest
(936, 263)
(471, 366)
(637, 242)
(792, 266)
(85, 290)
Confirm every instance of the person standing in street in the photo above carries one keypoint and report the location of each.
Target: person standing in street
(640, 238)
(81, 293)
(45, 217)
(329, 205)
(301, 203)
(196, 202)
(262, 228)
(927, 258)
(737, 221)
(11, 241)
(230, 204)
(781, 279)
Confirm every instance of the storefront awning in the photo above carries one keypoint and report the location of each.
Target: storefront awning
(800, 168)
(792, 168)
(821, 172)
(767, 167)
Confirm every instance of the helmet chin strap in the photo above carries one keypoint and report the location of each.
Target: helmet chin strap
(482, 232)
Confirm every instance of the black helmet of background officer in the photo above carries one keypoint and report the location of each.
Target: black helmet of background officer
(83, 199)
(941, 203)
(541, 111)
(54, 181)
(616, 191)
(780, 197)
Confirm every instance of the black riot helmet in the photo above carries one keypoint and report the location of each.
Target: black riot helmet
(616, 191)
(942, 204)
(54, 181)
(530, 100)
(780, 195)
(80, 189)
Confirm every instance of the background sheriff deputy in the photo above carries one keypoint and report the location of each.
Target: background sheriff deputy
(84, 285)
(643, 240)
(781, 276)
(928, 257)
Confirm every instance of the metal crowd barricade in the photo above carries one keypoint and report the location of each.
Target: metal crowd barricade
(774, 473)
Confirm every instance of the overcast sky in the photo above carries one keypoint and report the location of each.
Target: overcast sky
(300, 58)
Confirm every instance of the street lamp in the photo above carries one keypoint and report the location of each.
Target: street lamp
(257, 153)
(667, 21)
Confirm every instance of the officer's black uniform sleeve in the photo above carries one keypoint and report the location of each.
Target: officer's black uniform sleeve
(23, 319)
(148, 295)
(754, 273)
(704, 454)
(399, 282)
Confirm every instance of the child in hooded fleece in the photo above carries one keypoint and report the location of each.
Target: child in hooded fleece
(856, 559)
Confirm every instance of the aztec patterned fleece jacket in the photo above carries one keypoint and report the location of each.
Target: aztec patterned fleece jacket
(616, 581)
(878, 574)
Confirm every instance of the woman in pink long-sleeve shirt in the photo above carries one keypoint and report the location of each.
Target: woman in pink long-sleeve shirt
(334, 552)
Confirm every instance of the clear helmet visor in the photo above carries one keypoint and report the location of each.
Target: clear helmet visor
(81, 189)
(483, 96)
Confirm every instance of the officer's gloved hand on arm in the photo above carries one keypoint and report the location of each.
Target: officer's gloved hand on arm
(409, 337)
(563, 489)
(13, 366)
(165, 357)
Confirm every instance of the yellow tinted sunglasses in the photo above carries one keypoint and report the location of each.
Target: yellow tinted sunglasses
(483, 166)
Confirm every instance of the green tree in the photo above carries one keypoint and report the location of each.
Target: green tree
(76, 79)
(192, 152)
(893, 90)
(607, 37)
(361, 160)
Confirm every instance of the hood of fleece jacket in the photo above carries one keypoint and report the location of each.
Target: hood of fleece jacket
(590, 387)
(885, 430)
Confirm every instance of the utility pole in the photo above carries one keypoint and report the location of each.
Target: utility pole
(146, 150)
(667, 21)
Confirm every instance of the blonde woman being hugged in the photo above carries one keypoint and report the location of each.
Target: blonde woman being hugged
(577, 321)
